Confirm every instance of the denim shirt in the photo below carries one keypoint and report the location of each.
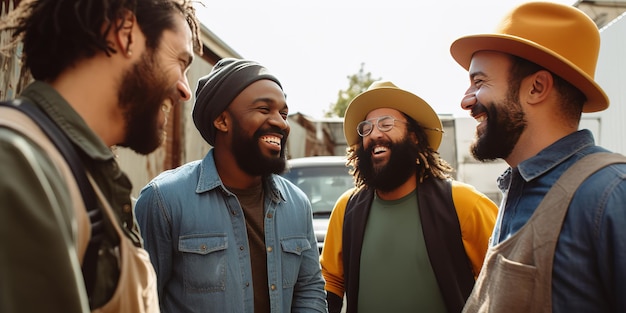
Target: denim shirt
(195, 232)
(589, 271)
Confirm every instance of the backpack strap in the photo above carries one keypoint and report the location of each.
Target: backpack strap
(69, 153)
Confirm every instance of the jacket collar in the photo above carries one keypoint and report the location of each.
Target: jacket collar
(209, 179)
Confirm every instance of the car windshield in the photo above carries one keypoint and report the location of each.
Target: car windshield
(322, 184)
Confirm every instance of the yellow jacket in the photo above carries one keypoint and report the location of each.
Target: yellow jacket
(476, 214)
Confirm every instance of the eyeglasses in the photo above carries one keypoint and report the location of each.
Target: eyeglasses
(383, 123)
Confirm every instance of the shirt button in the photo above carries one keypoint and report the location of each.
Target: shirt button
(241, 248)
(273, 287)
(269, 249)
(269, 215)
(203, 247)
(247, 284)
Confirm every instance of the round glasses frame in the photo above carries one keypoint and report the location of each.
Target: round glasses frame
(383, 123)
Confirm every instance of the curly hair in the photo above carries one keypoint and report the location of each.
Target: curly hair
(57, 33)
(428, 163)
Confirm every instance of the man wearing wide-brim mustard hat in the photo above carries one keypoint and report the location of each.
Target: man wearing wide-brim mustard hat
(385, 93)
(408, 238)
(529, 83)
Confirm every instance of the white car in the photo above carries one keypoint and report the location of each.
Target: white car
(323, 179)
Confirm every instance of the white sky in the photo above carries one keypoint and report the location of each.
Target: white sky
(313, 46)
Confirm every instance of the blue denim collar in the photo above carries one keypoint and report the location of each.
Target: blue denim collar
(548, 158)
(209, 179)
(555, 154)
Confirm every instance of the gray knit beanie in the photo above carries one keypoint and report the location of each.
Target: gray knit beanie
(220, 87)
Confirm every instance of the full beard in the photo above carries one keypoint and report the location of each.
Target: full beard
(142, 94)
(398, 169)
(505, 124)
(249, 156)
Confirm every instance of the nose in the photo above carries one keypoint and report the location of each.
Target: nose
(183, 88)
(469, 99)
(277, 120)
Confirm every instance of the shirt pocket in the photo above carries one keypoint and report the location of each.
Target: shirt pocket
(292, 250)
(513, 284)
(204, 262)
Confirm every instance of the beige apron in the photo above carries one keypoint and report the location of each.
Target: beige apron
(517, 273)
(136, 290)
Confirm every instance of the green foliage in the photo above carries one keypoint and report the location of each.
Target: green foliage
(358, 83)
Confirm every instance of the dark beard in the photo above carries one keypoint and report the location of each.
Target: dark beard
(399, 168)
(141, 95)
(249, 156)
(505, 124)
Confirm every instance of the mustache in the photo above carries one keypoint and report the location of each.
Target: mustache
(378, 142)
(478, 108)
(271, 130)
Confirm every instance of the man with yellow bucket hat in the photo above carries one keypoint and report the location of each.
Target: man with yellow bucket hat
(559, 244)
(409, 239)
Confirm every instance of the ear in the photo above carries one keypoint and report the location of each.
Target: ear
(541, 84)
(414, 137)
(124, 36)
(222, 122)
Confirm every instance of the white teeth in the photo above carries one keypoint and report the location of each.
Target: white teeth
(271, 140)
(166, 106)
(379, 149)
(481, 118)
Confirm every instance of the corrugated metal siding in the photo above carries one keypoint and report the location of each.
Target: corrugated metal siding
(13, 77)
(611, 75)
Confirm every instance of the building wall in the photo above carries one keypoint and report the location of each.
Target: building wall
(13, 77)
(611, 75)
(448, 147)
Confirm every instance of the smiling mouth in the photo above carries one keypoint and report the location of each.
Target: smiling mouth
(479, 113)
(480, 117)
(167, 105)
(379, 150)
(272, 140)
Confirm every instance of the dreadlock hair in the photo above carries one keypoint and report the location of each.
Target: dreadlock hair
(58, 33)
(428, 163)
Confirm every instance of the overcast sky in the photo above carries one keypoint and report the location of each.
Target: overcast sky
(312, 47)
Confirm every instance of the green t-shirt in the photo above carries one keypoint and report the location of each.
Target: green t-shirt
(396, 274)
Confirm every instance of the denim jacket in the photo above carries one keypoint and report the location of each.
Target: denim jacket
(195, 232)
(589, 270)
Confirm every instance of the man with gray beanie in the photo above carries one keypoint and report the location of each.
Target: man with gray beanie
(226, 233)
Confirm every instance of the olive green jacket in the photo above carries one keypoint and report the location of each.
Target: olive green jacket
(38, 221)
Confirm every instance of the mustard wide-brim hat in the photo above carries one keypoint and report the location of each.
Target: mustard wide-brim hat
(558, 37)
(384, 94)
